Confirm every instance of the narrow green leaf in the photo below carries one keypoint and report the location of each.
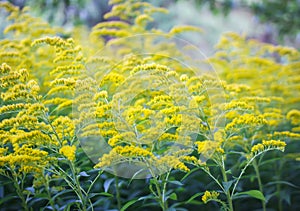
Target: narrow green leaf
(253, 193)
(282, 183)
(7, 198)
(100, 194)
(146, 197)
(175, 183)
(128, 204)
(189, 173)
(61, 193)
(193, 197)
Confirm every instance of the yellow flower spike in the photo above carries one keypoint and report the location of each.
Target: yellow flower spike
(150, 67)
(3, 151)
(294, 116)
(143, 19)
(101, 95)
(4, 68)
(126, 137)
(220, 150)
(132, 151)
(206, 146)
(54, 41)
(219, 136)
(180, 29)
(266, 145)
(68, 152)
(9, 7)
(168, 136)
(238, 105)
(247, 120)
(210, 196)
(189, 159)
(182, 167)
(284, 134)
(111, 24)
(184, 77)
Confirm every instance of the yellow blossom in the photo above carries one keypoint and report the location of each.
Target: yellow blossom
(210, 196)
(68, 152)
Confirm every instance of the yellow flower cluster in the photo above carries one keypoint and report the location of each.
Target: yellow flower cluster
(238, 105)
(54, 41)
(120, 154)
(210, 196)
(284, 134)
(246, 120)
(266, 145)
(146, 107)
(25, 159)
(132, 151)
(168, 162)
(64, 128)
(126, 137)
(68, 152)
(294, 116)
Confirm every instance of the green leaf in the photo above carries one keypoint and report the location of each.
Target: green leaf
(175, 183)
(146, 197)
(128, 204)
(100, 194)
(282, 183)
(61, 193)
(227, 185)
(189, 173)
(173, 196)
(7, 198)
(83, 174)
(107, 184)
(253, 193)
(193, 197)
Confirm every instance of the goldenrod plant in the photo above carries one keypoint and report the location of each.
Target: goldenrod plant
(130, 117)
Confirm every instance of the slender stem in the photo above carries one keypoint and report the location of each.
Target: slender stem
(278, 187)
(93, 182)
(215, 179)
(52, 204)
(256, 169)
(227, 193)
(244, 169)
(78, 187)
(165, 188)
(19, 190)
(118, 195)
(159, 194)
(161, 198)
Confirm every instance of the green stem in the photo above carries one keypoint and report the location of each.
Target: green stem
(215, 179)
(19, 190)
(161, 197)
(52, 204)
(244, 169)
(165, 181)
(256, 169)
(227, 193)
(278, 187)
(159, 194)
(118, 195)
(78, 187)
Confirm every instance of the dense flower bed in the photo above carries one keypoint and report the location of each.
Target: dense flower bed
(142, 124)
